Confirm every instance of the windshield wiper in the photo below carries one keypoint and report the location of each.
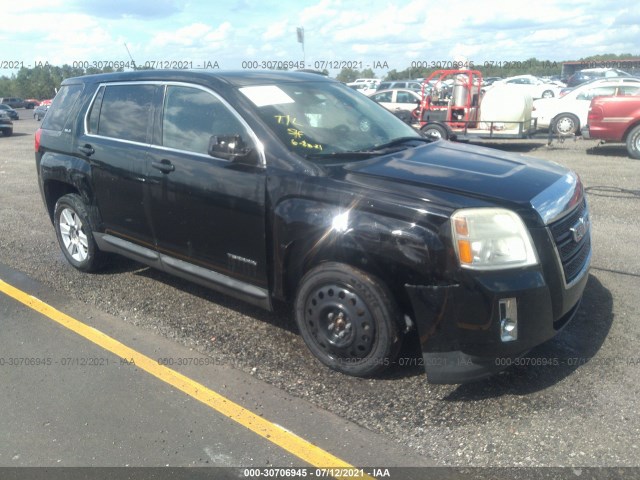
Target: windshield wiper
(397, 141)
(369, 152)
(355, 154)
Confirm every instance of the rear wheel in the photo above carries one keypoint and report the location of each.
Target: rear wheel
(633, 143)
(74, 232)
(566, 124)
(348, 319)
(7, 132)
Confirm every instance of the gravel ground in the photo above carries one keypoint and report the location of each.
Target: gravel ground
(582, 412)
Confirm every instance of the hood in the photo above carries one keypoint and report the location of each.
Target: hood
(466, 170)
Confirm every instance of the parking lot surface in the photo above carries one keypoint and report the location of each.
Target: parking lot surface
(100, 392)
(570, 402)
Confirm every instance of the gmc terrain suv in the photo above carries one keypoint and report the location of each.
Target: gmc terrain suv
(275, 186)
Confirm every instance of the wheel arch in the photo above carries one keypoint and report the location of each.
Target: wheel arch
(630, 128)
(53, 191)
(307, 234)
(63, 174)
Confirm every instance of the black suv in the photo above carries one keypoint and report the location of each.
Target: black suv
(276, 186)
(14, 102)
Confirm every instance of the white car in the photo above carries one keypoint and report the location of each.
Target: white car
(529, 84)
(568, 113)
(374, 81)
(364, 88)
(365, 85)
(398, 101)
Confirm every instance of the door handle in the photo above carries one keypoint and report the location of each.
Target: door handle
(165, 166)
(87, 149)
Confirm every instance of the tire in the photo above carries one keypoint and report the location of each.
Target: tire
(566, 124)
(7, 132)
(348, 319)
(435, 131)
(548, 94)
(74, 232)
(633, 142)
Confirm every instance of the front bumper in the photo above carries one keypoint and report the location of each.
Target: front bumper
(459, 345)
(461, 325)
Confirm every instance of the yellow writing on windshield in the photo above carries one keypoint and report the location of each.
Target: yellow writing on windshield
(305, 144)
(286, 120)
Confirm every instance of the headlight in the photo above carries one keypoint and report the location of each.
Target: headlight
(491, 239)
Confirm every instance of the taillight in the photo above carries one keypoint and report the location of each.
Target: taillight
(37, 139)
(595, 114)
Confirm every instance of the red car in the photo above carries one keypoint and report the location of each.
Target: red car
(615, 119)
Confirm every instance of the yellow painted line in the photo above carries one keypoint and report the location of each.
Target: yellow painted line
(276, 434)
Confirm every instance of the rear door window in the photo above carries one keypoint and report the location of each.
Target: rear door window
(405, 97)
(61, 107)
(382, 97)
(123, 112)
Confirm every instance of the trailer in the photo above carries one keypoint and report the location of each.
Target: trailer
(455, 106)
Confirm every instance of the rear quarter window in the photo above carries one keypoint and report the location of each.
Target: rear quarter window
(62, 107)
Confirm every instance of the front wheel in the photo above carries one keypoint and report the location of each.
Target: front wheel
(633, 143)
(547, 94)
(74, 232)
(348, 319)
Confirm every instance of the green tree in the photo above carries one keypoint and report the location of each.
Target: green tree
(347, 75)
(367, 73)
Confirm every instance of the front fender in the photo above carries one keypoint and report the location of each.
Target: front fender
(308, 231)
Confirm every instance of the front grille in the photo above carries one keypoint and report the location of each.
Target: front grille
(573, 255)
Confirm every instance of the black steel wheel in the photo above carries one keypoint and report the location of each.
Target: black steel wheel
(74, 232)
(348, 319)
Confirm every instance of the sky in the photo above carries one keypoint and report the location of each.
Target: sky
(242, 34)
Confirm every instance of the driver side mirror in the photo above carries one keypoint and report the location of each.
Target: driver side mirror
(233, 148)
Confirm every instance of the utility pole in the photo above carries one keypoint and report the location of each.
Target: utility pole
(300, 31)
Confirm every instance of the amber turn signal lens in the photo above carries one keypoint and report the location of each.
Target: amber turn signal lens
(464, 251)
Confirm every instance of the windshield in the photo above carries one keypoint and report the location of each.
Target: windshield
(314, 119)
